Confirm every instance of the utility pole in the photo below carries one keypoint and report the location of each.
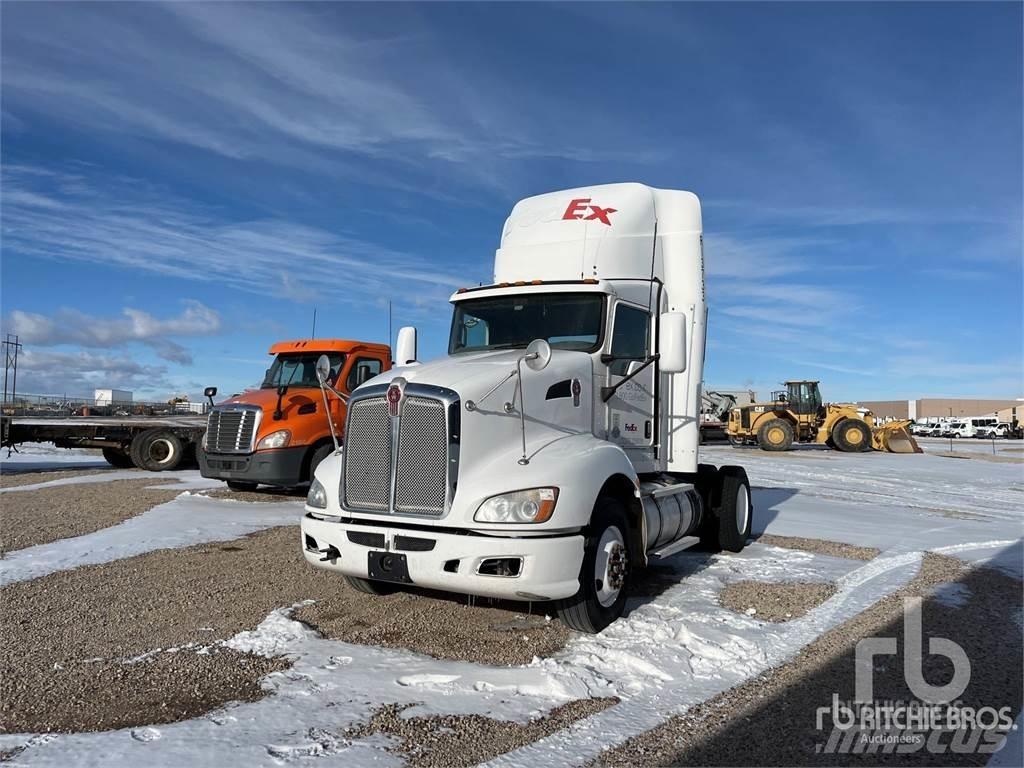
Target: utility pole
(11, 348)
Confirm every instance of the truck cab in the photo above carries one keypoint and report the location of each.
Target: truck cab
(555, 448)
(279, 433)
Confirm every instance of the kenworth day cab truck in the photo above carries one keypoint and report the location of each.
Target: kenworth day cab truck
(279, 433)
(555, 448)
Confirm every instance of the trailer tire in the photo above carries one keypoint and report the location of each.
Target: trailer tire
(371, 587)
(775, 435)
(605, 572)
(157, 450)
(852, 436)
(116, 457)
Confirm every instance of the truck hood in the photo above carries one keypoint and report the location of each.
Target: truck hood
(267, 400)
(492, 437)
(472, 375)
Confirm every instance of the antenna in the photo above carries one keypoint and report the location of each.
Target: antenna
(313, 334)
(389, 321)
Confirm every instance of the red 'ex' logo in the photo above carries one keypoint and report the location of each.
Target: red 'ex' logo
(580, 206)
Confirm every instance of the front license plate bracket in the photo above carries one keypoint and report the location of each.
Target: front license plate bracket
(388, 566)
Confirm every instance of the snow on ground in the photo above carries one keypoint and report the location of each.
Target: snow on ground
(186, 480)
(673, 650)
(36, 457)
(186, 520)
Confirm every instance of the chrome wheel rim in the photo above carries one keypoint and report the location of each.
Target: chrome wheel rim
(610, 566)
(742, 508)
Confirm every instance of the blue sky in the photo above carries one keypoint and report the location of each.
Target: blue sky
(184, 183)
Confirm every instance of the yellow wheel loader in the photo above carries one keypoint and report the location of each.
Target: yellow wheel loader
(797, 415)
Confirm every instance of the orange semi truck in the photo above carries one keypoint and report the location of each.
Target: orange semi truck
(279, 433)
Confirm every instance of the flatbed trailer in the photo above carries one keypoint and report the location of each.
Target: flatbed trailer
(155, 443)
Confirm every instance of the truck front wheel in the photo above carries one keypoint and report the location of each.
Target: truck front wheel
(371, 587)
(605, 572)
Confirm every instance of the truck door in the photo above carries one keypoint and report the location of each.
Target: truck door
(631, 408)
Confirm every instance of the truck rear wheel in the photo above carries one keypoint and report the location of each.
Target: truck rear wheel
(116, 457)
(852, 435)
(605, 572)
(775, 435)
(370, 587)
(157, 450)
(730, 509)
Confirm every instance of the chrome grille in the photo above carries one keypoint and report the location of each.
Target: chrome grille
(421, 483)
(231, 430)
(368, 455)
(407, 465)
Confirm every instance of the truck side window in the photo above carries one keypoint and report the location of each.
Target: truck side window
(364, 368)
(629, 338)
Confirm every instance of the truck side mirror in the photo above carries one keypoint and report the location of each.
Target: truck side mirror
(323, 368)
(405, 347)
(672, 342)
(210, 392)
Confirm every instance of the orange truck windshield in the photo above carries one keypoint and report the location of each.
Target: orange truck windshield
(298, 369)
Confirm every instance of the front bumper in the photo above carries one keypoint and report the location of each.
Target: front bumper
(282, 467)
(550, 565)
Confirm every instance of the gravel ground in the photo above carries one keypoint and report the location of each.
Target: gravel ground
(437, 624)
(30, 518)
(820, 546)
(464, 740)
(774, 601)
(771, 719)
(268, 494)
(52, 661)
(12, 479)
(67, 637)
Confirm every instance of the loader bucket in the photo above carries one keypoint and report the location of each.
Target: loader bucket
(894, 437)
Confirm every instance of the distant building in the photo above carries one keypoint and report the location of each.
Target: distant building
(934, 408)
(111, 396)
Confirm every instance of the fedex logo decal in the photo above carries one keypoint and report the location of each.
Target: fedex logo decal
(580, 206)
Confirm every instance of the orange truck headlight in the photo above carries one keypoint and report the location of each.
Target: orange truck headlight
(279, 439)
(533, 505)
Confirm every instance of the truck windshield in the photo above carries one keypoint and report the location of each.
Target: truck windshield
(299, 369)
(565, 320)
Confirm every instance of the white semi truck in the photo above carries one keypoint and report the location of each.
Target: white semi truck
(555, 448)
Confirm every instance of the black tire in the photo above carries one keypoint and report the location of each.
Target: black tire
(319, 455)
(116, 457)
(370, 587)
(242, 485)
(775, 435)
(592, 609)
(735, 513)
(852, 436)
(157, 450)
(726, 494)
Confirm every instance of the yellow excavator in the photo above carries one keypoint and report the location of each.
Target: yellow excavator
(797, 415)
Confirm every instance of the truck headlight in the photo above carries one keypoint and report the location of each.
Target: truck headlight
(278, 439)
(533, 505)
(317, 496)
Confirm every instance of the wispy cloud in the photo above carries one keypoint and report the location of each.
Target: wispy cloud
(71, 326)
(291, 85)
(53, 372)
(134, 228)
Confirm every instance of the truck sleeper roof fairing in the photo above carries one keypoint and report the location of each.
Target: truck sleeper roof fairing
(324, 345)
(608, 232)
